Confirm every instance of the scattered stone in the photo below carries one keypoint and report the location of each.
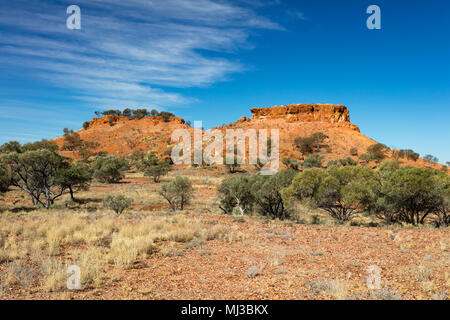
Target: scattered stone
(253, 271)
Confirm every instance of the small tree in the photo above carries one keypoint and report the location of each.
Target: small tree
(410, 154)
(36, 173)
(40, 145)
(376, 151)
(265, 193)
(75, 177)
(135, 159)
(431, 158)
(72, 140)
(109, 169)
(11, 146)
(5, 179)
(310, 144)
(153, 167)
(340, 191)
(118, 203)
(140, 113)
(166, 115)
(86, 125)
(177, 192)
(235, 192)
(127, 112)
(347, 162)
(115, 113)
(442, 210)
(414, 193)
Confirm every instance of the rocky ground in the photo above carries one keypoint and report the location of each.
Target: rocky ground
(202, 254)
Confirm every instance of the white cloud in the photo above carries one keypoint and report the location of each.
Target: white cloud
(127, 49)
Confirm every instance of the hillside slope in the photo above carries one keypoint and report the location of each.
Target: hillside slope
(123, 135)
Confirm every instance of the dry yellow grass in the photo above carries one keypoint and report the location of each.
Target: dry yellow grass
(47, 242)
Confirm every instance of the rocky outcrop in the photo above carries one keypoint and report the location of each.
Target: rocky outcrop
(331, 113)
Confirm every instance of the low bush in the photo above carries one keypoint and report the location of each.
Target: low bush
(109, 169)
(118, 203)
(177, 192)
(310, 144)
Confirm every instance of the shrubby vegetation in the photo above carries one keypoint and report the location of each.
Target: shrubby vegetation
(339, 191)
(154, 167)
(43, 174)
(291, 163)
(377, 151)
(412, 194)
(138, 113)
(73, 142)
(118, 203)
(314, 161)
(409, 154)
(5, 179)
(177, 192)
(75, 177)
(310, 144)
(431, 158)
(394, 194)
(109, 169)
(261, 193)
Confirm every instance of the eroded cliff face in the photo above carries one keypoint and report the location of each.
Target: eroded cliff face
(331, 113)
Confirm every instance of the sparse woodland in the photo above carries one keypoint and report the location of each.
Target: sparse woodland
(135, 223)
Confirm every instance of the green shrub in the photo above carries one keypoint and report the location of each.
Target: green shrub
(314, 161)
(127, 112)
(40, 145)
(409, 154)
(75, 177)
(413, 194)
(177, 192)
(11, 146)
(347, 162)
(266, 196)
(366, 157)
(37, 174)
(5, 179)
(235, 192)
(109, 169)
(339, 191)
(86, 125)
(153, 167)
(115, 113)
(376, 151)
(118, 203)
(332, 163)
(310, 144)
(430, 158)
(140, 113)
(291, 163)
(166, 115)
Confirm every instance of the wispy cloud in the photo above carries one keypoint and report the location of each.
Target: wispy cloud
(129, 53)
(297, 14)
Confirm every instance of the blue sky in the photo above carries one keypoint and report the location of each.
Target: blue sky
(213, 60)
